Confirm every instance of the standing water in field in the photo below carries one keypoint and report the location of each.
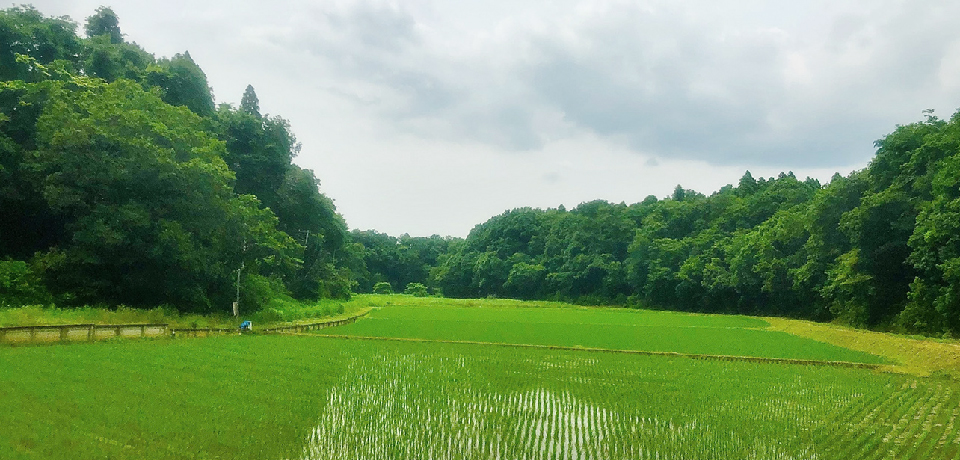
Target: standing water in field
(416, 407)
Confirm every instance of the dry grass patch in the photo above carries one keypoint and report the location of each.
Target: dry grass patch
(916, 356)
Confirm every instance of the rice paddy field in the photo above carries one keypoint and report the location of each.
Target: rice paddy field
(313, 397)
(607, 328)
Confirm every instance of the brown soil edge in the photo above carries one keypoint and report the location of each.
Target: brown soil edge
(804, 362)
(909, 355)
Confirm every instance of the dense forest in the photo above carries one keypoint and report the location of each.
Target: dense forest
(878, 248)
(122, 182)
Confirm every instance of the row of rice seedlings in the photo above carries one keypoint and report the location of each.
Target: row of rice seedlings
(914, 431)
(800, 410)
(899, 419)
(786, 411)
(874, 430)
(897, 422)
(862, 431)
(816, 411)
(939, 416)
(453, 402)
(950, 435)
(848, 414)
(927, 439)
(401, 417)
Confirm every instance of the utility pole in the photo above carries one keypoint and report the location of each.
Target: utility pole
(236, 303)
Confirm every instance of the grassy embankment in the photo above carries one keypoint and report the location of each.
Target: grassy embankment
(914, 355)
(279, 312)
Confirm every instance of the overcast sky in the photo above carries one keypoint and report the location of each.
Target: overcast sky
(429, 117)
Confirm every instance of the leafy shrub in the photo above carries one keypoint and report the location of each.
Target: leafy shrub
(19, 285)
(268, 315)
(256, 292)
(416, 290)
(382, 287)
(287, 310)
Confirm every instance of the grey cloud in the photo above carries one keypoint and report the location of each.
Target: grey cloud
(505, 125)
(723, 98)
(376, 48)
(378, 26)
(709, 94)
(652, 76)
(382, 60)
(664, 85)
(354, 34)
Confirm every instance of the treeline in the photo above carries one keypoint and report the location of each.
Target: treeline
(121, 181)
(878, 248)
(398, 261)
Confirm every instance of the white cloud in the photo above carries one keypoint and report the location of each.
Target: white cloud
(660, 77)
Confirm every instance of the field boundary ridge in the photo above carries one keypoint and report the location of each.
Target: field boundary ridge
(48, 333)
(89, 332)
(757, 359)
(299, 328)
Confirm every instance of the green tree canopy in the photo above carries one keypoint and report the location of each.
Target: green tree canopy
(114, 185)
(25, 31)
(182, 82)
(146, 200)
(249, 102)
(104, 23)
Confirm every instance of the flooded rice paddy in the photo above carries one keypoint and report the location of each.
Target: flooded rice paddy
(458, 402)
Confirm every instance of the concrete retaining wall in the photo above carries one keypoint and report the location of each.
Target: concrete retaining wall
(78, 332)
(90, 332)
